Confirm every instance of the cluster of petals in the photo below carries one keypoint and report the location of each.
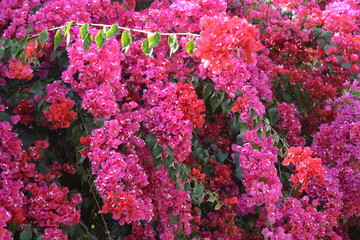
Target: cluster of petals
(60, 113)
(299, 219)
(97, 82)
(166, 120)
(192, 107)
(307, 167)
(120, 176)
(5, 216)
(219, 43)
(338, 145)
(55, 90)
(24, 197)
(14, 168)
(259, 173)
(32, 50)
(248, 101)
(19, 70)
(123, 206)
(290, 123)
(24, 111)
(169, 202)
(49, 206)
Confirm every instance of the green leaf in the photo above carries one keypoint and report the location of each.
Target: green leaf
(87, 41)
(276, 138)
(8, 43)
(156, 151)
(190, 46)
(214, 102)
(244, 127)
(76, 133)
(185, 172)
(84, 30)
(239, 140)
(157, 162)
(58, 39)
(169, 151)
(26, 234)
(217, 206)
(173, 172)
(226, 106)
(346, 65)
(206, 91)
(273, 115)
(174, 219)
(5, 117)
(126, 40)
(146, 49)
(85, 36)
(327, 47)
(322, 42)
(327, 36)
(281, 153)
(23, 41)
(238, 173)
(114, 30)
(168, 161)
(197, 193)
(150, 141)
(156, 154)
(99, 39)
(212, 198)
(14, 49)
(43, 37)
(67, 28)
(340, 59)
(173, 43)
(154, 39)
(2, 50)
(316, 32)
(100, 122)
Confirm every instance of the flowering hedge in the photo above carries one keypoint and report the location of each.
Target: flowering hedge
(195, 119)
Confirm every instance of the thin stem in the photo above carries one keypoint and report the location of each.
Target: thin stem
(82, 119)
(274, 131)
(43, 67)
(123, 28)
(141, 31)
(96, 201)
(51, 29)
(87, 180)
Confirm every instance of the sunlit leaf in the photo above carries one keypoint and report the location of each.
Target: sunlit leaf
(58, 39)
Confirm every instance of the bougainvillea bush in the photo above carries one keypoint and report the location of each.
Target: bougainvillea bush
(179, 119)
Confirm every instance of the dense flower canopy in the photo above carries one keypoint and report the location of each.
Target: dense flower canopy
(181, 119)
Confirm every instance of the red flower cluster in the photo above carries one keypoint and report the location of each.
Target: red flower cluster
(24, 110)
(198, 175)
(223, 172)
(240, 104)
(219, 43)
(121, 205)
(192, 107)
(32, 50)
(307, 167)
(60, 113)
(19, 70)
